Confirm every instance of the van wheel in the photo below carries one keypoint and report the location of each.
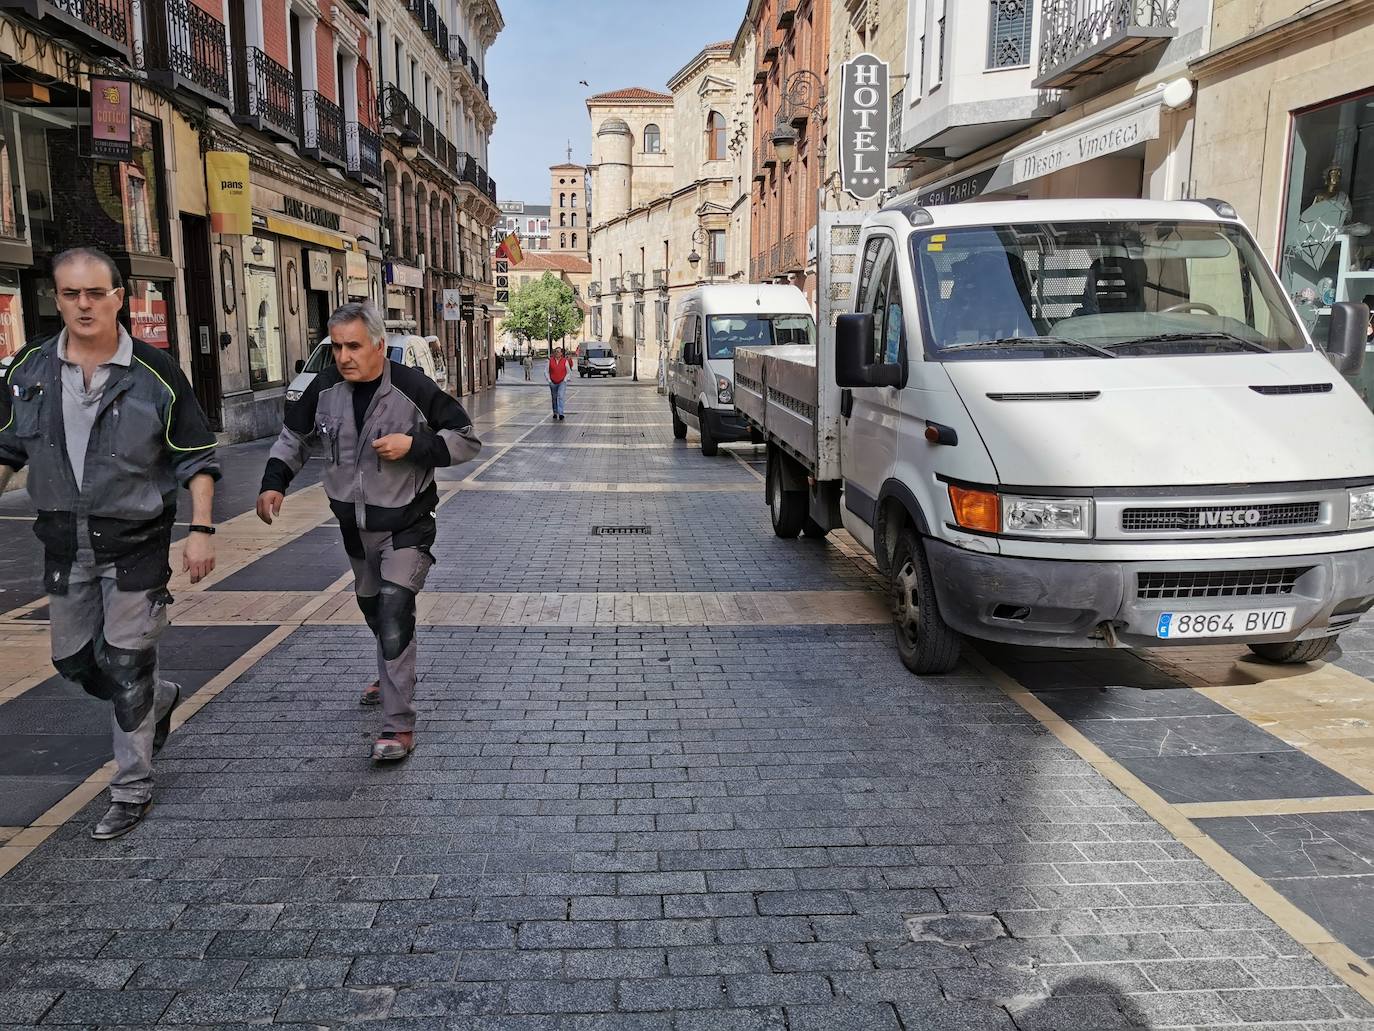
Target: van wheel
(786, 507)
(813, 529)
(709, 446)
(1289, 652)
(925, 642)
(679, 427)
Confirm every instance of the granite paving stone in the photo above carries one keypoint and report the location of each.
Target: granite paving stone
(642, 827)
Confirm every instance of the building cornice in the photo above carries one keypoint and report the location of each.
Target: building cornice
(1320, 17)
(704, 58)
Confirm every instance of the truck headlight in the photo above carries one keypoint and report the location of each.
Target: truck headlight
(1055, 517)
(990, 512)
(294, 395)
(725, 391)
(1362, 507)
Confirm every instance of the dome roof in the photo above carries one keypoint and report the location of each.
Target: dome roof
(614, 125)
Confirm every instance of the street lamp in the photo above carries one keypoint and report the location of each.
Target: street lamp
(803, 99)
(701, 236)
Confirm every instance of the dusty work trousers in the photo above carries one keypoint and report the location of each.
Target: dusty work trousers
(377, 572)
(95, 609)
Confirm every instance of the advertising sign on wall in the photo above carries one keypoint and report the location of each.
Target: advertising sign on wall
(11, 323)
(355, 262)
(148, 315)
(317, 266)
(110, 119)
(453, 305)
(226, 181)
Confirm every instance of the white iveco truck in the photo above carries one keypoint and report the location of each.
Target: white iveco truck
(1078, 424)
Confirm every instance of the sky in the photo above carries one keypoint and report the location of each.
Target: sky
(547, 46)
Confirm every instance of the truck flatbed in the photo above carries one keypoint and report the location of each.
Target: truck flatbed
(775, 389)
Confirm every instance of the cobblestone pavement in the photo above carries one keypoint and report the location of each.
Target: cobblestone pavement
(701, 827)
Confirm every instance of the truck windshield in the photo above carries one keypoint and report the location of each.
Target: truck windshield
(598, 352)
(320, 359)
(1096, 290)
(727, 332)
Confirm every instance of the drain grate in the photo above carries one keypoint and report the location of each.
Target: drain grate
(621, 531)
(611, 435)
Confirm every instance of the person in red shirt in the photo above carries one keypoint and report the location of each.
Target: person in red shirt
(560, 365)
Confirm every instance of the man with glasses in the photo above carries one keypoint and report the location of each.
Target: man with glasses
(109, 428)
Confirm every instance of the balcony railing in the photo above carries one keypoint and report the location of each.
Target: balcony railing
(364, 154)
(420, 244)
(265, 94)
(1080, 37)
(458, 49)
(407, 243)
(183, 48)
(486, 90)
(427, 135)
(788, 257)
(103, 25)
(441, 39)
(322, 129)
(787, 13)
(417, 9)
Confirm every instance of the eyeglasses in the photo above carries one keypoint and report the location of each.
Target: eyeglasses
(92, 294)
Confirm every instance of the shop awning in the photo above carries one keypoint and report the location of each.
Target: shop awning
(1103, 133)
(310, 234)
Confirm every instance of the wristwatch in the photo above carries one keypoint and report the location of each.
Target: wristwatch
(202, 528)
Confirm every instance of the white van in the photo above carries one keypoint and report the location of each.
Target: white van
(402, 348)
(711, 322)
(1076, 424)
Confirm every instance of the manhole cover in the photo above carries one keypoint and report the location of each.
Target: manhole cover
(621, 531)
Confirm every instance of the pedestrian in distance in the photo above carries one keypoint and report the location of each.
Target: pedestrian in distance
(529, 365)
(384, 429)
(560, 365)
(109, 428)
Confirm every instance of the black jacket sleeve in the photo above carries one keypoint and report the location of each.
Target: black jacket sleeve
(292, 446)
(448, 437)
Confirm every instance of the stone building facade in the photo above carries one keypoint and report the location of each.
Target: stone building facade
(1284, 133)
(791, 77)
(668, 174)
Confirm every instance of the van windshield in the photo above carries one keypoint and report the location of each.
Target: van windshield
(598, 352)
(727, 332)
(320, 359)
(1098, 290)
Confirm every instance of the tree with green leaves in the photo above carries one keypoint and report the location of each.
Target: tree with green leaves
(543, 309)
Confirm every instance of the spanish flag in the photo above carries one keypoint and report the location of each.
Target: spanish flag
(510, 249)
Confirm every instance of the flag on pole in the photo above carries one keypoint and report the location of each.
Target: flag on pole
(510, 249)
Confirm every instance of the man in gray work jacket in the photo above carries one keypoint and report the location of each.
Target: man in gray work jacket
(384, 428)
(109, 428)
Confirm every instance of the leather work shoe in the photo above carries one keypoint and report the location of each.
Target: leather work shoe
(393, 747)
(164, 725)
(372, 694)
(120, 818)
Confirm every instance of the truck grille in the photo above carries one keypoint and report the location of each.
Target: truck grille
(1221, 517)
(1218, 583)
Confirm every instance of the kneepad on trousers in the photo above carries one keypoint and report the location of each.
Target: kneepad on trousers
(123, 676)
(370, 605)
(396, 619)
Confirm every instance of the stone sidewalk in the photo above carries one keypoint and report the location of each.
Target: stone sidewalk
(688, 828)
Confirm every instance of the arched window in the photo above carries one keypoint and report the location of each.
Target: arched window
(652, 144)
(574, 200)
(574, 218)
(563, 240)
(562, 200)
(574, 243)
(562, 218)
(715, 136)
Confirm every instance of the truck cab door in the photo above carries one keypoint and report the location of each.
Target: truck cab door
(870, 432)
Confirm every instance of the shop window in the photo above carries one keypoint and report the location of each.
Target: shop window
(1328, 250)
(12, 336)
(264, 312)
(149, 304)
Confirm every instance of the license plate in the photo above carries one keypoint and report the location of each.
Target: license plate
(1233, 623)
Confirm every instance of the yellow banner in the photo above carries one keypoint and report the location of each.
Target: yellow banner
(231, 205)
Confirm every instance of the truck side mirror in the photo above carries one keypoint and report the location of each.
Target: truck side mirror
(853, 342)
(1346, 335)
(691, 353)
(300, 365)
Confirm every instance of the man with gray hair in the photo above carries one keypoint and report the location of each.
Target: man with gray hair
(384, 428)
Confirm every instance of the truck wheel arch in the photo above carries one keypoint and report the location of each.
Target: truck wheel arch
(897, 507)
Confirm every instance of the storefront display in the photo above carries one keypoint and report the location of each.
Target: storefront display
(11, 315)
(149, 318)
(264, 312)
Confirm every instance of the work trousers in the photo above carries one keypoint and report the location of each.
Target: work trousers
(386, 580)
(94, 614)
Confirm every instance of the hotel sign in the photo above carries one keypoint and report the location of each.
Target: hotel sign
(1039, 159)
(864, 115)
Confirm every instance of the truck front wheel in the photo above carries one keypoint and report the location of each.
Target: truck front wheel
(1294, 651)
(787, 507)
(925, 642)
(709, 446)
(679, 427)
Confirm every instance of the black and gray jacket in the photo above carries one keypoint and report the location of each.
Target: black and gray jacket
(365, 491)
(149, 436)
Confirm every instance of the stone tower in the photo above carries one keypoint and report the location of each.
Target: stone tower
(569, 211)
(614, 153)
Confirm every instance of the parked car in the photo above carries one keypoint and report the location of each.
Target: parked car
(595, 359)
(436, 350)
(1075, 424)
(402, 348)
(711, 322)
